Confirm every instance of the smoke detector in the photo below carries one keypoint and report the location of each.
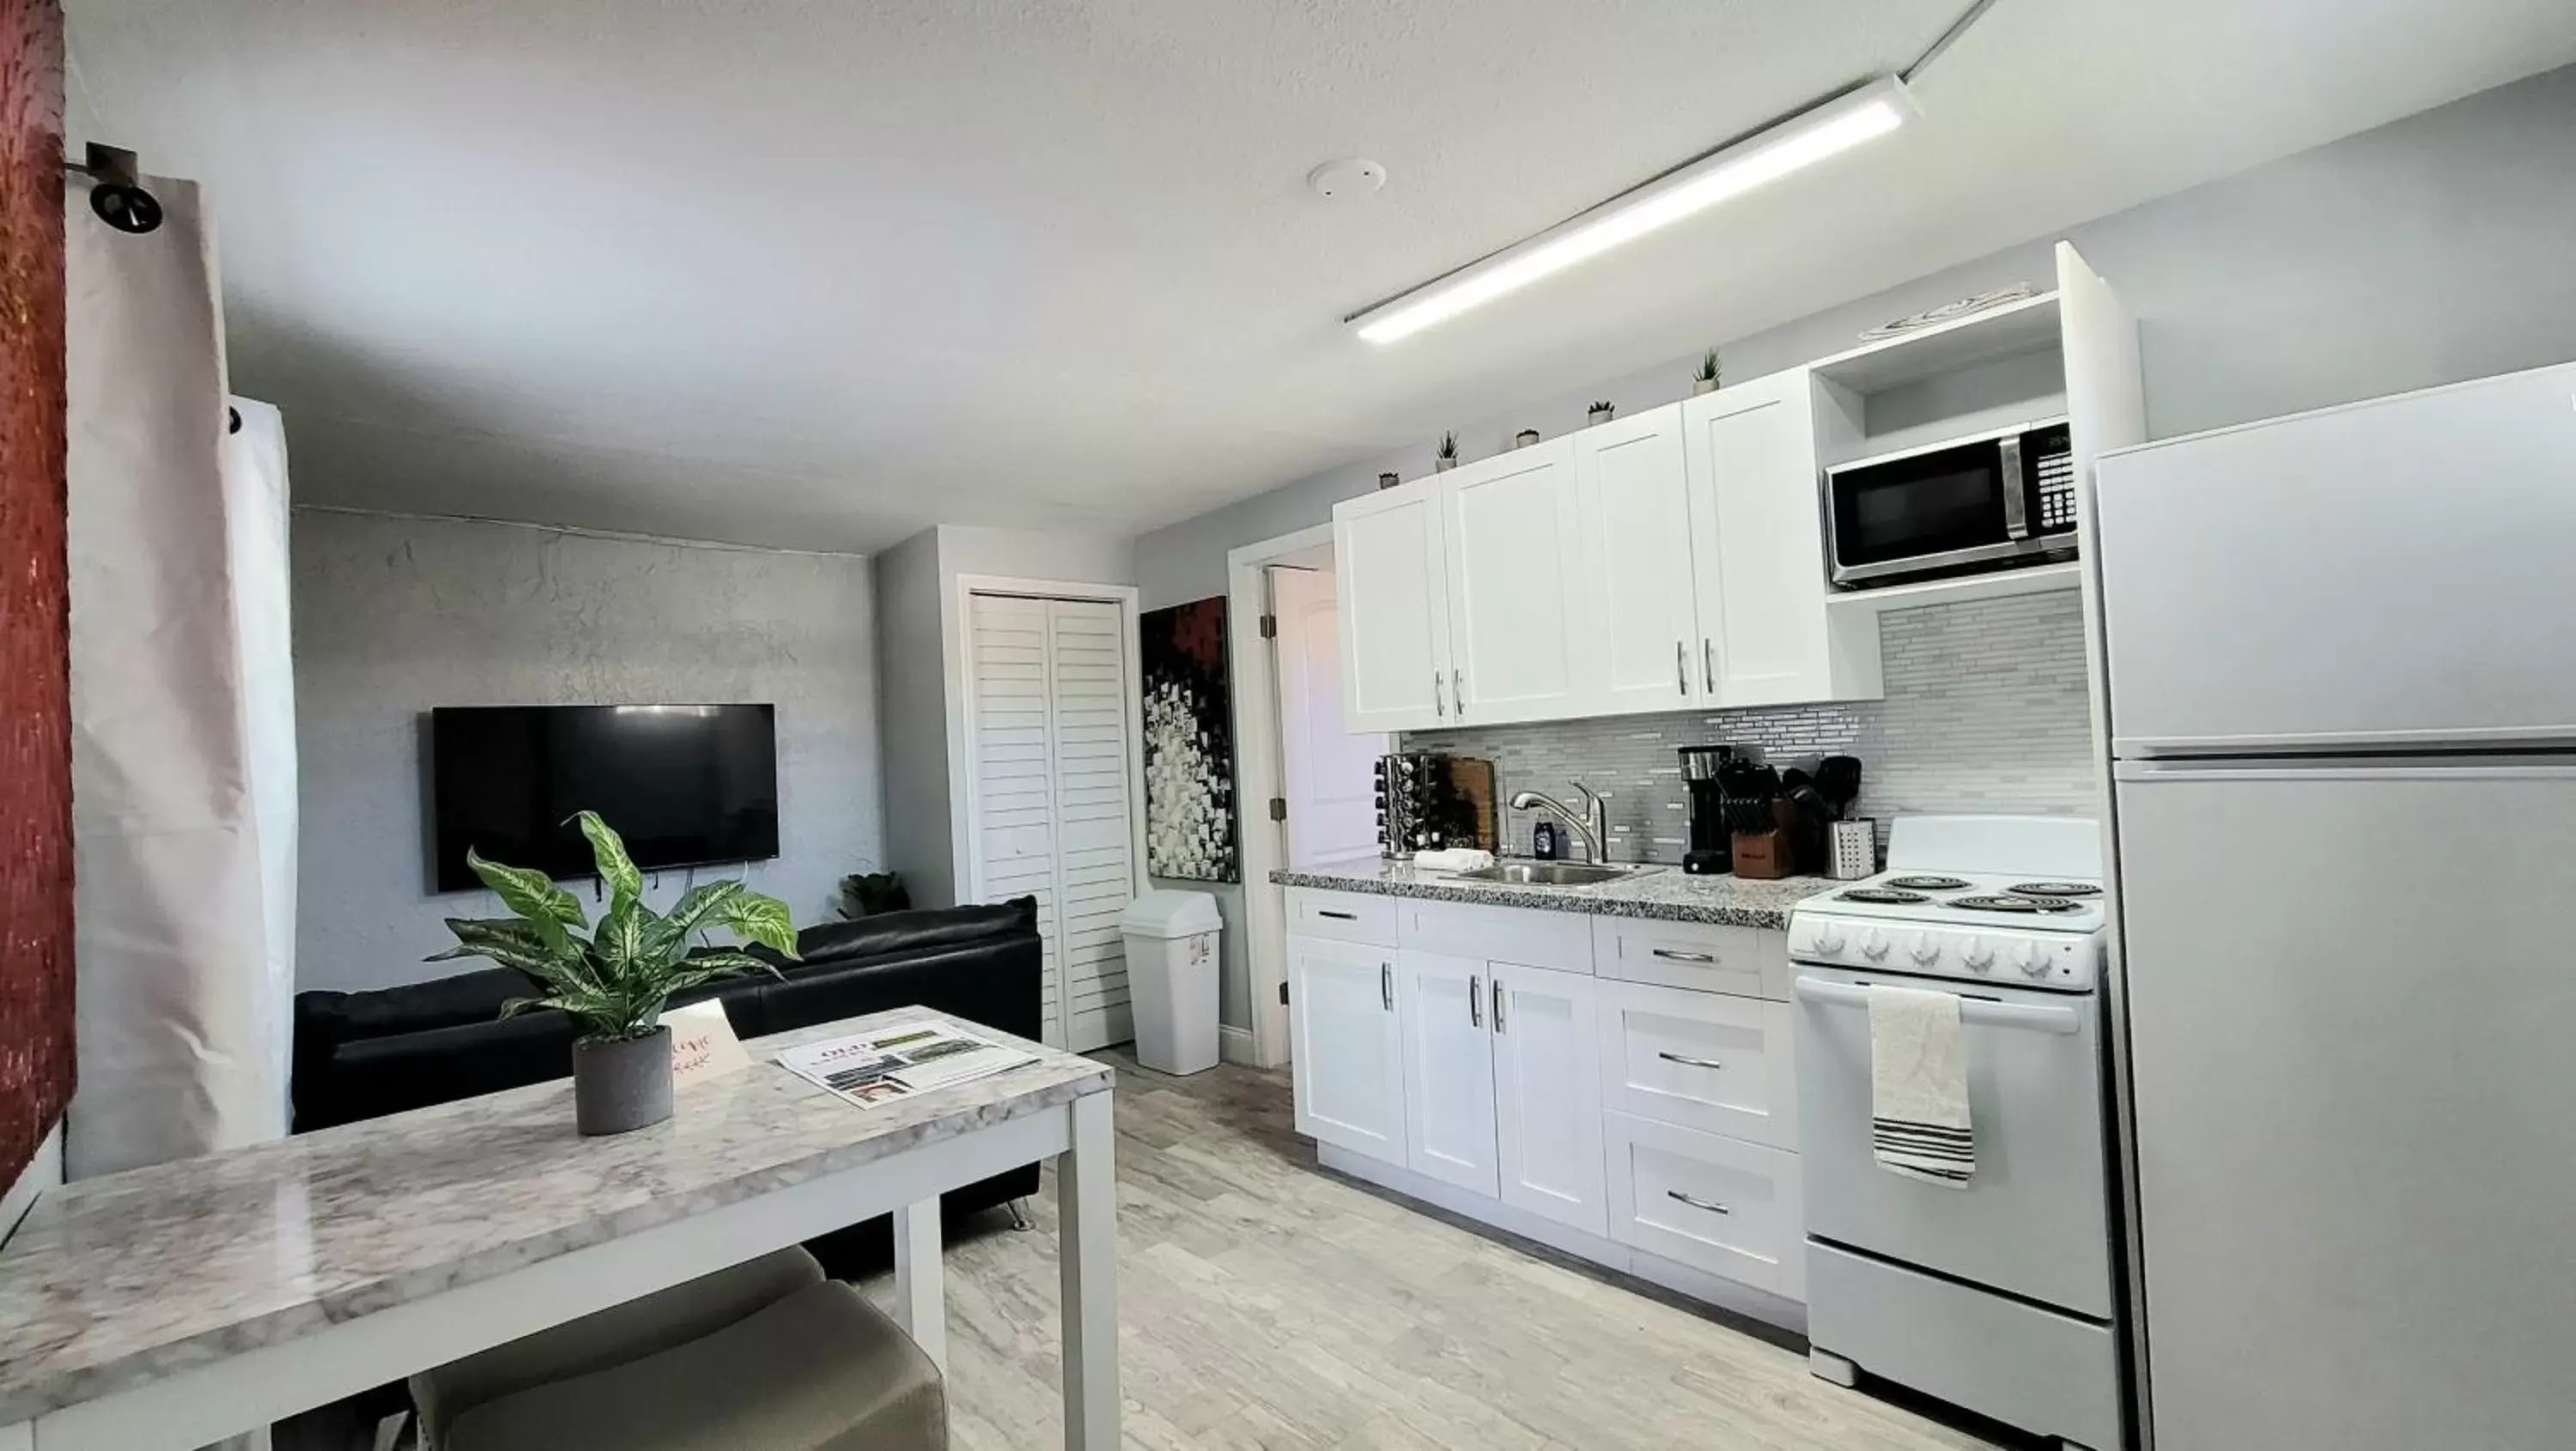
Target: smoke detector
(1352, 176)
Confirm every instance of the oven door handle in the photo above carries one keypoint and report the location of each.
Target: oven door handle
(1980, 1011)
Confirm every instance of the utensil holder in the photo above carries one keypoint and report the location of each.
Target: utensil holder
(1855, 850)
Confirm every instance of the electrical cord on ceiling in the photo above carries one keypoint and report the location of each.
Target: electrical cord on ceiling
(1949, 37)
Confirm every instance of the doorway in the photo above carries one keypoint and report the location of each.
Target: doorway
(1308, 786)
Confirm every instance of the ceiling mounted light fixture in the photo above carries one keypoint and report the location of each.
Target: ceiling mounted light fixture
(1856, 116)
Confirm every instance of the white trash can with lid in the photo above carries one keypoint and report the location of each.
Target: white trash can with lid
(1171, 978)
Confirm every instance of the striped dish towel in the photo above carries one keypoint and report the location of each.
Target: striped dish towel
(1918, 1086)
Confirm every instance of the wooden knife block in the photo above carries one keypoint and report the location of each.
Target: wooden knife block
(1763, 856)
(1767, 856)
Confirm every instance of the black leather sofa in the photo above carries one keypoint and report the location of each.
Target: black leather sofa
(365, 1054)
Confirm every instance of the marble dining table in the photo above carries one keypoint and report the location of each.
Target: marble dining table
(173, 1306)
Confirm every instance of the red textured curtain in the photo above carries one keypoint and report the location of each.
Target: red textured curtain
(35, 670)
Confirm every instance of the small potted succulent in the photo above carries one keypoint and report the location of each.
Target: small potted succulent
(1446, 458)
(1705, 380)
(614, 982)
(1525, 438)
(1600, 413)
(1388, 480)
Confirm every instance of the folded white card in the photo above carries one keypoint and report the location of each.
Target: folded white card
(703, 1044)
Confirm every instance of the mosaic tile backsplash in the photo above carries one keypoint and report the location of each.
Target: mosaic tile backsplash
(1985, 712)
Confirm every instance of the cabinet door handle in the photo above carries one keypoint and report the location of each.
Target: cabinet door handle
(1681, 668)
(1708, 665)
(1498, 1005)
(1695, 1202)
(1687, 1061)
(1386, 985)
(1475, 1002)
(1458, 691)
(1337, 916)
(1669, 955)
(1439, 706)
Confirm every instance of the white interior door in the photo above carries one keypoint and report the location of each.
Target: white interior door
(1328, 770)
(1448, 1069)
(1095, 835)
(1395, 610)
(1518, 623)
(1053, 796)
(1547, 1093)
(1349, 1052)
(1015, 774)
(1634, 493)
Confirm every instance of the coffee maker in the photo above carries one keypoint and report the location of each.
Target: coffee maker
(1711, 852)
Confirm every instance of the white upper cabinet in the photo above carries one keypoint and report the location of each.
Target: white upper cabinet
(1643, 641)
(1757, 543)
(1394, 610)
(1515, 565)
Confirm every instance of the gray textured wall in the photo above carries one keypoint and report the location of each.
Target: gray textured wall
(1985, 712)
(396, 615)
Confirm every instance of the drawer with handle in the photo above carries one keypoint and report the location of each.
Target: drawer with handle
(1702, 1061)
(1342, 916)
(1715, 1204)
(1701, 956)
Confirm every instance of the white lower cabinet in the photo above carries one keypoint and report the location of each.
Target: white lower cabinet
(1348, 1046)
(1647, 1126)
(1448, 1070)
(1715, 1204)
(1547, 1095)
(1702, 1061)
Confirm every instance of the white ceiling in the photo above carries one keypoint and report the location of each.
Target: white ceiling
(810, 273)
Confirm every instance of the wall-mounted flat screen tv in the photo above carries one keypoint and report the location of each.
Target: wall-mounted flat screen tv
(686, 785)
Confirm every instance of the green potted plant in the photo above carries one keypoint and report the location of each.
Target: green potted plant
(1705, 380)
(614, 981)
(1599, 413)
(1447, 457)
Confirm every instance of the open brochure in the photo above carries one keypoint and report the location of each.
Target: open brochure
(899, 1059)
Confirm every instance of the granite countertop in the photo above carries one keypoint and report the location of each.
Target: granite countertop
(114, 1282)
(1667, 892)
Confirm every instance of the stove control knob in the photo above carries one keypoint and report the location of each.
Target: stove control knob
(1875, 945)
(1830, 939)
(1925, 951)
(1979, 954)
(2032, 959)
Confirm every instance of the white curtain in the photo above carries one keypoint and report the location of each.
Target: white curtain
(183, 745)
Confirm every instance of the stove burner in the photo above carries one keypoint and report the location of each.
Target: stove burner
(2025, 906)
(2055, 889)
(1926, 884)
(1881, 895)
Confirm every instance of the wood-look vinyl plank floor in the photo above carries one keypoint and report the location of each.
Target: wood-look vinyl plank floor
(1267, 1304)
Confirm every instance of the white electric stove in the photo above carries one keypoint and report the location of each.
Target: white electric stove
(1995, 898)
(1994, 1294)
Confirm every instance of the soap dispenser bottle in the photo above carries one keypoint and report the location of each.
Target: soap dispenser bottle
(1545, 844)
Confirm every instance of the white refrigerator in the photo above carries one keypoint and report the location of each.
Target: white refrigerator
(2341, 676)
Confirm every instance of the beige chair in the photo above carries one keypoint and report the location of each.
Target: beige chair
(768, 1354)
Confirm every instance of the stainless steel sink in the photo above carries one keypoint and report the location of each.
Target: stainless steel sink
(1553, 874)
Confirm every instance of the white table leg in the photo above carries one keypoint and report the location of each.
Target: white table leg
(920, 1280)
(1086, 1189)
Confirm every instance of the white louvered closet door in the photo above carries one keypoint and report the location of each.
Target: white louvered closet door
(1052, 796)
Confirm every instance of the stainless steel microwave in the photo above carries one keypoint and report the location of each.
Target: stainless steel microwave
(1995, 501)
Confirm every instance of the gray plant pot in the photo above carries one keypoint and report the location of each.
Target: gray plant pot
(1703, 385)
(618, 1087)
